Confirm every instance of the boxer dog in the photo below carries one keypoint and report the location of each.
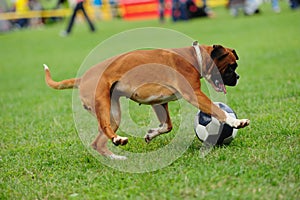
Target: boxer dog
(153, 77)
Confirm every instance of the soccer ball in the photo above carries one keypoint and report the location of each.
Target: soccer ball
(210, 131)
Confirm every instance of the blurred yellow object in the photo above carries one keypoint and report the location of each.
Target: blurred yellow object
(34, 14)
(215, 3)
(22, 6)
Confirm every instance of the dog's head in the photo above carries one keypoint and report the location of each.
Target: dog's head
(225, 60)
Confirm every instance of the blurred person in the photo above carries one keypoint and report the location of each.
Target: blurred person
(179, 11)
(235, 6)
(97, 8)
(114, 6)
(249, 7)
(187, 9)
(252, 7)
(22, 6)
(161, 10)
(194, 11)
(35, 6)
(294, 4)
(204, 4)
(78, 6)
(4, 24)
(275, 6)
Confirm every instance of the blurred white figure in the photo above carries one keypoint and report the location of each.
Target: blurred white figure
(252, 6)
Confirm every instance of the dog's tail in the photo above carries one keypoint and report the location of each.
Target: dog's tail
(64, 84)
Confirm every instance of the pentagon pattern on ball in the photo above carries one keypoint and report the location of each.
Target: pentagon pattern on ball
(210, 131)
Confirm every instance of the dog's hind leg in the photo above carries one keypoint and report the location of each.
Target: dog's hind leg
(100, 143)
(165, 126)
(115, 113)
(103, 112)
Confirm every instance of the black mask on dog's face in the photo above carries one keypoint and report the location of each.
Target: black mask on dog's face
(230, 77)
(225, 59)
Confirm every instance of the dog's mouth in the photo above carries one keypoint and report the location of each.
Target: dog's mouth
(218, 85)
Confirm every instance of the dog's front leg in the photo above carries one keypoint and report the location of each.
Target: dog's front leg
(202, 102)
(165, 126)
(236, 123)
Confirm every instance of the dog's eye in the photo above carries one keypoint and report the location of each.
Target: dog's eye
(232, 66)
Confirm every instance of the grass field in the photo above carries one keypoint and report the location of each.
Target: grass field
(42, 156)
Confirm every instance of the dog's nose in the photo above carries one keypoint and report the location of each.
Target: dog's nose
(237, 76)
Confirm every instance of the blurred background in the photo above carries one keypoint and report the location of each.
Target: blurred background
(18, 14)
(42, 156)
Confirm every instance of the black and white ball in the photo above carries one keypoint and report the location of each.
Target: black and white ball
(210, 131)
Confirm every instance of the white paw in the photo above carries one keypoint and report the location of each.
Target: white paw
(120, 140)
(153, 132)
(237, 123)
(240, 123)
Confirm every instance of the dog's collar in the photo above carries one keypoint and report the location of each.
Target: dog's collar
(199, 59)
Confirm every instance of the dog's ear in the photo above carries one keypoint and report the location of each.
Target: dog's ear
(218, 52)
(234, 53)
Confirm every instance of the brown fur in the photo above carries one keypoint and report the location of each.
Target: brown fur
(152, 77)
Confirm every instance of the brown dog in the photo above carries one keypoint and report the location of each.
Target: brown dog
(153, 77)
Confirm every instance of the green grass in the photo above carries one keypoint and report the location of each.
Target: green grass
(42, 156)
